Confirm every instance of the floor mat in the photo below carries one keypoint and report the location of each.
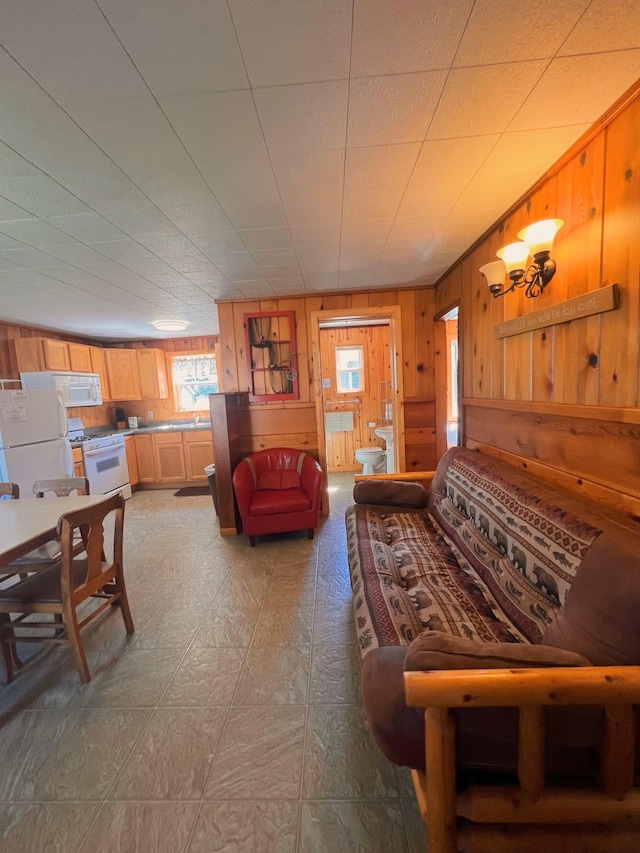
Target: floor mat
(192, 492)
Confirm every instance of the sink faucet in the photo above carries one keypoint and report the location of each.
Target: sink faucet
(196, 418)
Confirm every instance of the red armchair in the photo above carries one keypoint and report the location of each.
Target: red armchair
(278, 490)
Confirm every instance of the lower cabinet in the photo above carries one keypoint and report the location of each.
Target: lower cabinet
(168, 458)
(78, 464)
(132, 459)
(145, 458)
(197, 454)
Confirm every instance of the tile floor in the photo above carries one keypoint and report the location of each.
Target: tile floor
(230, 721)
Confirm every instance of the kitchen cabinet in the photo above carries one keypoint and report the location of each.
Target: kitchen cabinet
(271, 355)
(124, 379)
(79, 358)
(152, 372)
(198, 452)
(169, 456)
(78, 464)
(33, 354)
(145, 458)
(132, 459)
(99, 366)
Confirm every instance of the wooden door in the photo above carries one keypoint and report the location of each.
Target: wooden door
(56, 354)
(352, 415)
(80, 358)
(145, 458)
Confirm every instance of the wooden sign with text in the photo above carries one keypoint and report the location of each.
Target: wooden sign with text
(594, 302)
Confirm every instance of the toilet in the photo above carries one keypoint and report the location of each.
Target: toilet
(372, 459)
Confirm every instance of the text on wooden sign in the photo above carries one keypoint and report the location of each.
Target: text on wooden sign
(594, 302)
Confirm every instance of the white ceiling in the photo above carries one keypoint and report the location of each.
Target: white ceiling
(156, 155)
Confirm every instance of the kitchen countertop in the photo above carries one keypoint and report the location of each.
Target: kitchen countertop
(173, 426)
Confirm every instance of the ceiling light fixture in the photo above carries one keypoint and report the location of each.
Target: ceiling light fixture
(170, 325)
(535, 241)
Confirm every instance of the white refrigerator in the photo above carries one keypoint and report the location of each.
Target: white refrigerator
(33, 442)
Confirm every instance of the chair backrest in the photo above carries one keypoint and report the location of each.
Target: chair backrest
(84, 575)
(62, 488)
(10, 490)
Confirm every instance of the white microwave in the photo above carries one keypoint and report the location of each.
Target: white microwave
(76, 389)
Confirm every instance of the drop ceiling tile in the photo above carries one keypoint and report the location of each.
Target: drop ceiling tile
(391, 110)
(147, 266)
(12, 165)
(87, 227)
(392, 38)
(167, 246)
(577, 90)
(450, 162)
(285, 41)
(35, 232)
(180, 47)
(321, 280)
(206, 279)
(375, 204)
(199, 219)
(305, 117)
(221, 242)
(478, 101)
(605, 25)
(410, 250)
(70, 49)
(313, 208)
(41, 196)
(288, 284)
(355, 278)
(390, 276)
(244, 274)
(310, 170)
(366, 230)
(508, 27)
(7, 242)
(275, 257)
(313, 235)
(415, 227)
(10, 211)
(191, 263)
(257, 239)
(380, 166)
(26, 257)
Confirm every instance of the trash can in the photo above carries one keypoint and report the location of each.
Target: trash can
(210, 471)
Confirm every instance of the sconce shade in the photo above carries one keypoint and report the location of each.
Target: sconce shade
(494, 272)
(514, 256)
(539, 235)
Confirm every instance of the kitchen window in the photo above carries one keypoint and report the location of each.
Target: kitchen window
(194, 377)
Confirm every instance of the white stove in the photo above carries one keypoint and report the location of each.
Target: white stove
(105, 460)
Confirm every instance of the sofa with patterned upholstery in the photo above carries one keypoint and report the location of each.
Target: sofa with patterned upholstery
(498, 623)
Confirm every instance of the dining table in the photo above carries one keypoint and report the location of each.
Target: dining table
(27, 524)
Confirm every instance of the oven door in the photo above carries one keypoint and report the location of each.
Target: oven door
(106, 469)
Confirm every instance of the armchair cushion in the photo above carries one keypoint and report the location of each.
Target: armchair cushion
(277, 501)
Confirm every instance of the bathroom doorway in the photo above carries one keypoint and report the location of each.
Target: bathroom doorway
(356, 392)
(448, 422)
(385, 318)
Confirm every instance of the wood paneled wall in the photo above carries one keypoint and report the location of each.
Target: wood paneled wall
(299, 417)
(567, 396)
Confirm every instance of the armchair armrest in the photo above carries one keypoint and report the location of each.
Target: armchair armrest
(311, 479)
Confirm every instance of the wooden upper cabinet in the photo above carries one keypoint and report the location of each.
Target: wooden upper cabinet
(99, 366)
(80, 357)
(271, 355)
(41, 354)
(152, 370)
(124, 381)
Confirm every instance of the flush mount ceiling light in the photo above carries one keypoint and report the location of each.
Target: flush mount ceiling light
(535, 241)
(170, 325)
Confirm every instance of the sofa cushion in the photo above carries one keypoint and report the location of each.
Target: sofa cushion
(277, 501)
(434, 651)
(281, 479)
(398, 493)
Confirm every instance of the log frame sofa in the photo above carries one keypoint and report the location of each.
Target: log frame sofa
(501, 655)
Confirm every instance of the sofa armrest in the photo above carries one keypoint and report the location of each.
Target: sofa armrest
(390, 493)
(483, 688)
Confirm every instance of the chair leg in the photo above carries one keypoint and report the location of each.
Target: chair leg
(6, 635)
(252, 541)
(310, 532)
(124, 605)
(75, 641)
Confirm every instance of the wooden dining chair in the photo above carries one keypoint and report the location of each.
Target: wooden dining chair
(61, 589)
(10, 490)
(61, 488)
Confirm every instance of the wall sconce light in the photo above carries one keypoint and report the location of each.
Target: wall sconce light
(535, 241)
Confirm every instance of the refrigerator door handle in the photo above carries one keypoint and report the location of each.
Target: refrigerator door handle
(62, 419)
(69, 455)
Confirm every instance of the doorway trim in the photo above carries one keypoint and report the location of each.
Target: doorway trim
(355, 317)
(442, 391)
